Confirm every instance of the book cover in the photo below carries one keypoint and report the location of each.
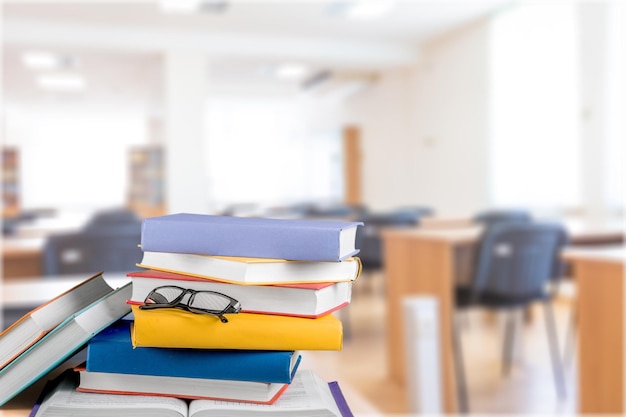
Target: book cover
(303, 300)
(35, 324)
(62, 342)
(172, 328)
(252, 271)
(112, 351)
(292, 239)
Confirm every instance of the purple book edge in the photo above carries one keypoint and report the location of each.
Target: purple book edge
(340, 399)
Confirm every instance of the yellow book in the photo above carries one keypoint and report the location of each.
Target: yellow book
(172, 328)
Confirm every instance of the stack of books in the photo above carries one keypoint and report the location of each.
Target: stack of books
(282, 280)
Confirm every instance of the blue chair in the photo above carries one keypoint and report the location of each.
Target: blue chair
(517, 264)
(489, 217)
(368, 238)
(109, 242)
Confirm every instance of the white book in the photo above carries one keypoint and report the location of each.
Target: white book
(303, 300)
(307, 396)
(252, 271)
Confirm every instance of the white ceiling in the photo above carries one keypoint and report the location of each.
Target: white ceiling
(117, 42)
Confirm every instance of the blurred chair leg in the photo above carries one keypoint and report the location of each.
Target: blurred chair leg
(459, 368)
(570, 337)
(557, 364)
(344, 317)
(507, 347)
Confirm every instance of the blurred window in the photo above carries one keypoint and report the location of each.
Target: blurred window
(74, 159)
(260, 151)
(534, 108)
(617, 107)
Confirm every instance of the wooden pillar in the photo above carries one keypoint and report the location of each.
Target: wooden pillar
(352, 165)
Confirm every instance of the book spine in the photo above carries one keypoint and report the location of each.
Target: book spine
(340, 400)
(287, 242)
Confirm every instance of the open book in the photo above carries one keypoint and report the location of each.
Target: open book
(307, 396)
(35, 324)
(62, 342)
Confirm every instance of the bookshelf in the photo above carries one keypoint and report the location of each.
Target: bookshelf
(146, 194)
(10, 182)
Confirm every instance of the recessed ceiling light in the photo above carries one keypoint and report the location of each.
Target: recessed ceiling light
(362, 9)
(192, 6)
(61, 82)
(179, 6)
(291, 71)
(41, 60)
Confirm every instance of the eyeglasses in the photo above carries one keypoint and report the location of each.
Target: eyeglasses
(203, 302)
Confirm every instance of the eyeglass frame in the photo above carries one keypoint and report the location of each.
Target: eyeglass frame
(233, 307)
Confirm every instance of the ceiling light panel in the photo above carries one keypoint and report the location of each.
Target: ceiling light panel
(45, 61)
(362, 9)
(61, 82)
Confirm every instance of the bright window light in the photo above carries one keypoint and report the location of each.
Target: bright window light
(271, 158)
(534, 109)
(75, 158)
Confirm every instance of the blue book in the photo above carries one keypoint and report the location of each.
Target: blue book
(111, 351)
(290, 239)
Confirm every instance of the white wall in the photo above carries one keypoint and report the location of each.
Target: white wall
(425, 128)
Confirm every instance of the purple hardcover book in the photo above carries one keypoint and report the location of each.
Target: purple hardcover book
(255, 237)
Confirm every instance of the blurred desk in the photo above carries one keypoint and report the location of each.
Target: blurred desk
(21, 257)
(599, 275)
(423, 262)
(431, 262)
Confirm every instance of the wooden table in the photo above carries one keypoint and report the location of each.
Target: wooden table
(424, 262)
(599, 275)
(431, 262)
(21, 257)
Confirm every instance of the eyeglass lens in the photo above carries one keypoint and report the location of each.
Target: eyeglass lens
(196, 301)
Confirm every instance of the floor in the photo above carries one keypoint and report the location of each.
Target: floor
(528, 389)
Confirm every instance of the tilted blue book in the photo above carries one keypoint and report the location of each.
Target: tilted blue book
(112, 351)
(255, 237)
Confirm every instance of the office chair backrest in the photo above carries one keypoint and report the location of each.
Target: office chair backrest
(87, 253)
(518, 259)
(368, 238)
(497, 216)
(117, 218)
